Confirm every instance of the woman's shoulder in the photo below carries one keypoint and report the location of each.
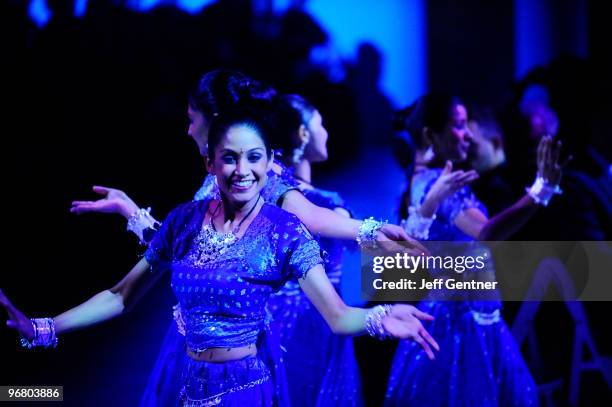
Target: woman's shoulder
(421, 182)
(277, 215)
(329, 198)
(284, 221)
(280, 181)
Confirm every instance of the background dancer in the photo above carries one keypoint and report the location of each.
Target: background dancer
(480, 364)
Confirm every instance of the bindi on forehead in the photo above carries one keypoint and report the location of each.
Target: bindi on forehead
(240, 150)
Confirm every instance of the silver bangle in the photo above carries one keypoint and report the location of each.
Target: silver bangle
(44, 334)
(368, 230)
(541, 191)
(140, 221)
(373, 322)
(417, 225)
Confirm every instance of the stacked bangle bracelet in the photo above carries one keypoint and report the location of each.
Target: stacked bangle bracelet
(140, 222)
(368, 230)
(373, 322)
(44, 334)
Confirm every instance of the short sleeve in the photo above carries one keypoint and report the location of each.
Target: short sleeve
(159, 252)
(298, 252)
(174, 232)
(460, 201)
(278, 185)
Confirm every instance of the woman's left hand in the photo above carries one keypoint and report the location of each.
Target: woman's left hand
(404, 321)
(394, 233)
(548, 155)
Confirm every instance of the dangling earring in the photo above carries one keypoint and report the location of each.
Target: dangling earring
(429, 154)
(298, 153)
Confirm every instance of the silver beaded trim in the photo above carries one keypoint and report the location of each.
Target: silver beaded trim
(141, 220)
(218, 398)
(178, 319)
(486, 318)
(417, 225)
(373, 323)
(542, 192)
(368, 230)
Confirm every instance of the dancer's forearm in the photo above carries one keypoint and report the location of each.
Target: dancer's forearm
(99, 308)
(509, 221)
(108, 303)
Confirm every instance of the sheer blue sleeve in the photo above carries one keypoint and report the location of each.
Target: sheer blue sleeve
(159, 252)
(460, 201)
(278, 185)
(298, 252)
(173, 235)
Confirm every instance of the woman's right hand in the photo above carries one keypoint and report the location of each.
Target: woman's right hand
(114, 201)
(17, 320)
(548, 163)
(450, 182)
(404, 322)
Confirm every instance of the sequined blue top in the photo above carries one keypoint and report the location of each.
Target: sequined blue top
(223, 290)
(333, 248)
(443, 229)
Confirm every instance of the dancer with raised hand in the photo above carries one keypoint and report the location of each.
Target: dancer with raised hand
(226, 257)
(479, 363)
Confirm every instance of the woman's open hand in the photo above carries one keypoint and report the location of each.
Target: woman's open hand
(404, 321)
(114, 201)
(17, 320)
(450, 182)
(548, 155)
(389, 233)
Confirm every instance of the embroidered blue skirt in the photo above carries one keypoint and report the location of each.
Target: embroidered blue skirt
(478, 364)
(321, 367)
(245, 382)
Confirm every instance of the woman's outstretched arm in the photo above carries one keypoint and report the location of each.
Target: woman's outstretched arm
(402, 321)
(103, 306)
(329, 223)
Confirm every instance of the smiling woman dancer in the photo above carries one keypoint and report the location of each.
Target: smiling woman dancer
(479, 364)
(218, 92)
(226, 256)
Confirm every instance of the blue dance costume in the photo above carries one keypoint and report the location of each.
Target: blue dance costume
(321, 367)
(479, 363)
(222, 290)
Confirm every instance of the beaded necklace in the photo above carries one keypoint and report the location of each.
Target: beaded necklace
(221, 241)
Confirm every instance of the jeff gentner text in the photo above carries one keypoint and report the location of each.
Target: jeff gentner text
(436, 284)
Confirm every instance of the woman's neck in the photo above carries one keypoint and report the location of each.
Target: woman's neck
(237, 212)
(303, 171)
(436, 162)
